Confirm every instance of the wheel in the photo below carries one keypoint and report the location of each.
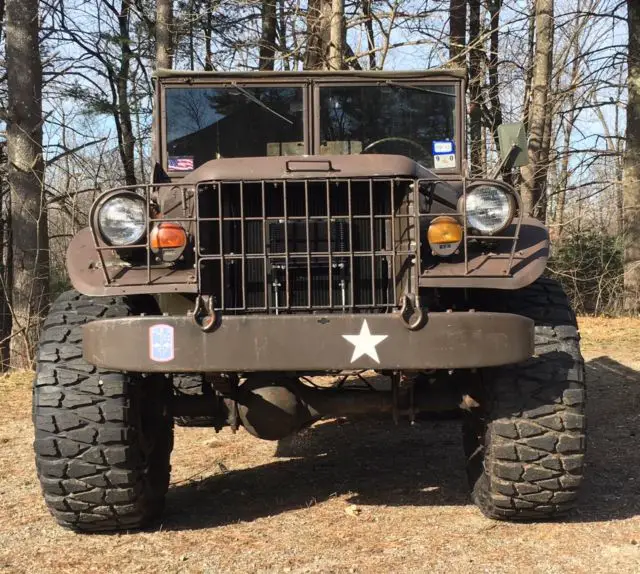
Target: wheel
(194, 385)
(525, 444)
(102, 439)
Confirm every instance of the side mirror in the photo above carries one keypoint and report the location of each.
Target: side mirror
(513, 145)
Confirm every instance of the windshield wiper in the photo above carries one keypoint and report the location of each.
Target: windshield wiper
(247, 94)
(418, 88)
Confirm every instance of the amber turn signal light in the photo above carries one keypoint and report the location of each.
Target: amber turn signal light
(168, 240)
(444, 235)
(168, 236)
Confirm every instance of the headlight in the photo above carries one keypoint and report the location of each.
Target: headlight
(489, 209)
(123, 219)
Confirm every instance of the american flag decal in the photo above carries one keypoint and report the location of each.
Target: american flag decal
(184, 163)
(161, 347)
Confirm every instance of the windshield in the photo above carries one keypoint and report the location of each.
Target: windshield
(414, 121)
(210, 123)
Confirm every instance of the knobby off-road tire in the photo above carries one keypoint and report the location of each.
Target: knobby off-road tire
(102, 439)
(525, 445)
(198, 386)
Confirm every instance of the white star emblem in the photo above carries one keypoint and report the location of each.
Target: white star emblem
(365, 343)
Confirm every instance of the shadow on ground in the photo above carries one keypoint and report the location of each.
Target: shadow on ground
(377, 463)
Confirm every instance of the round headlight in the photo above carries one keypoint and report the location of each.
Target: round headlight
(123, 219)
(489, 209)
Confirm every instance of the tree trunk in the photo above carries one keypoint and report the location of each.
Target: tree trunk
(282, 35)
(475, 89)
(567, 130)
(631, 177)
(2, 11)
(125, 133)
(563, 178)
(619, 186)
(318, 34)
(5, 258)
(268, 37)
(494, 79)
(531, 45)
(457, 31)
(336, 44)
(208, 33)
(164, 31)
(191, 16)
(368, 25)
(30, 292)
(534, 174)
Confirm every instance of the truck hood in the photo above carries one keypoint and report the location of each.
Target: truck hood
(309, 167)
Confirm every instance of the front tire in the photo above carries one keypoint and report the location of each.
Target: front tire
(526, 443)
(102, 438)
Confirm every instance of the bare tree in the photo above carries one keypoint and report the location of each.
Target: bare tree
(631, 177)
(457, 31)
(337, 32)
(164, 34)
(5, 261)
(268, 37)
(495, 116)
(5, 236)
(26, 179)
(368, 26)
(125, 125)
(534, 174)
(318, 34)
(476, 83)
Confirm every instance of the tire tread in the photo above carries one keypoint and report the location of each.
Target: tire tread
(89, 458)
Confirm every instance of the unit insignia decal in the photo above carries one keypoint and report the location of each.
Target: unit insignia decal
(161, 346)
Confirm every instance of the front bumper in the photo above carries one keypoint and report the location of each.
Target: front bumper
(305, 343)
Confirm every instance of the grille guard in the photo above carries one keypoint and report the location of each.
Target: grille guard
(518, 257)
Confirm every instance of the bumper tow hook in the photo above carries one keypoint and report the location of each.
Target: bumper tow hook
(413, 315)
(204, 314)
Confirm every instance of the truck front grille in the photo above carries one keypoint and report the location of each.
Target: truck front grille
(293, 246)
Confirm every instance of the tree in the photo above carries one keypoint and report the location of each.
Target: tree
(5, 262)
(125, 125)
(534, 174)
(476, 83)
(164, 34)
(495, 117)
(457, 31)
(631, 175)
(102, 68)
(268, 37)
(336, 44)
(26, 179)
(318, 34)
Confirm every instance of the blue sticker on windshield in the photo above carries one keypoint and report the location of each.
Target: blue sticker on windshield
(443, 147)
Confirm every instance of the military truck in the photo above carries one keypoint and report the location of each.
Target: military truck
(300, 228)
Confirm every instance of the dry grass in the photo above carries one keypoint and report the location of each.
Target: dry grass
(618, 336)
(343, 497)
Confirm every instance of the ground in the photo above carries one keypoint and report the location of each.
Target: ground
(347, 497)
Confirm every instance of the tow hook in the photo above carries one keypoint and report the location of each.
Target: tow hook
(204, 314)
(413, 315)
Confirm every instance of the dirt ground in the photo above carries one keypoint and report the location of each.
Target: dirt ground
(343, 497)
